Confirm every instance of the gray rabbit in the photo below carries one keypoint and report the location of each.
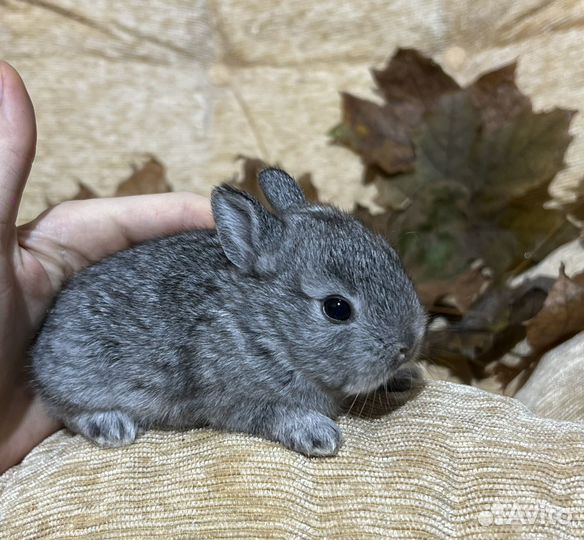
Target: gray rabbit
(263, 326)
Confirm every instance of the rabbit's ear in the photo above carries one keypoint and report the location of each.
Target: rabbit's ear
(281, 190)
(247, 231)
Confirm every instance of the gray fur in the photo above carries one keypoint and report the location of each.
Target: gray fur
(225, 328)
(280, 189)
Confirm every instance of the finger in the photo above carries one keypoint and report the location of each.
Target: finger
(77, 233)
(103, 226)
(17, 144)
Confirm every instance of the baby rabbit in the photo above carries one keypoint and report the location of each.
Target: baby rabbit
(263, 326)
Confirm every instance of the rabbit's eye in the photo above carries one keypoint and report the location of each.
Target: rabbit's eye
(336, 308)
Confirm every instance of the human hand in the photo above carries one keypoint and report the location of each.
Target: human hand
(36, 258)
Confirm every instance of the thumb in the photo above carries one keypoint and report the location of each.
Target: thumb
(17, 145)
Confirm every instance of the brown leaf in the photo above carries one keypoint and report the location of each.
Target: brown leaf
(382, 134)
(149, 178)
(412, 77)
(445, 141)
(497, 97)
(496, 166)
(559, 317)
(528, 232)
(512, 378)
(477, 195)
(493, 325)
(460, 293)
(521, 156)
(432, 234)
(377, 133)
(562, 314)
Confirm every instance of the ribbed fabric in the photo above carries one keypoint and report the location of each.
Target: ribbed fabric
(197, 83)
(451, 463)
(556, 388)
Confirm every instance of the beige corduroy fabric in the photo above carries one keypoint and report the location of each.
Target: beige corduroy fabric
(556, 388)
(454, 462)
(198, 82)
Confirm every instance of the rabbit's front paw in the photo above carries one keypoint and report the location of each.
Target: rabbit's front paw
(106, 428)
(312, 434)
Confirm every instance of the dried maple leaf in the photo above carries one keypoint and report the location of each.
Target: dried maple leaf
(411, 77)
(478, 183)
(562, 314)
(522, 155)
(382, 134)
(495, 166)
(497, 97)
(493, 325)
(496, 172)
(455, 297)
(379, 134)
(445, 142)
(412, 85)
(457, 216)
(559, 318)
(528, 231)
(147, 179)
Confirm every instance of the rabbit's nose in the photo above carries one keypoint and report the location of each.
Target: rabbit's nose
(403, 354)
